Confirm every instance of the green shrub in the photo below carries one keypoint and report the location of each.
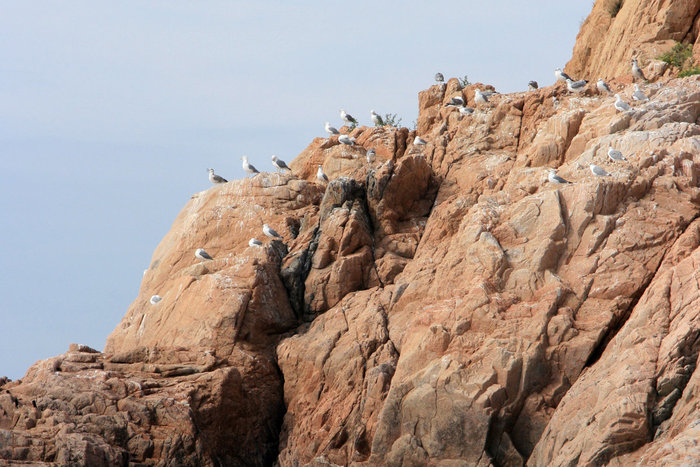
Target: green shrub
(678, 55)
(392, 120)
(464, 82)
(693, 70)
(614, 7)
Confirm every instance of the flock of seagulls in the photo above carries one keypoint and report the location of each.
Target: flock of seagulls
(480, 97)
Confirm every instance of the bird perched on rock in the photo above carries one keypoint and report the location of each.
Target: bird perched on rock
(554, 178)
(456, 100)
(636, 71)
(598, 171)
(215, 179)
(376, 119)
(561, 76)
(249, 168)
(615, 155)
(465, 110)
(621, 105)
(576, 86)
(280, 164)
(201, 254)
(638, 95)
(346, 139)
(331, 130)
(439, 78)
(603, 86)
(418, 141)
(371, 153)
(270, 232)
(480, 97)
(254, 242)
(320, 175)
(347, 117)
(532, 85)
(155, 299)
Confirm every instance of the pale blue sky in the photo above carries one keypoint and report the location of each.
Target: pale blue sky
(110, 113)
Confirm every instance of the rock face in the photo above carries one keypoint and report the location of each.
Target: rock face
(446, 305)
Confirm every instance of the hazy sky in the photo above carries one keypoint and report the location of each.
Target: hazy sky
(110, 113)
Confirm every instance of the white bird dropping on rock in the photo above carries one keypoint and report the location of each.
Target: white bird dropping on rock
(270, 232)
(248, 167)
(345, 139)
(215, 179)
(560, 75)
(636, 71)
(376, 119)
(155, 299)
(603, 86)
(280, 164)
(331, 130)
(621, 105)
(201, 254)
(576, 86)
(320, 175)
(347, 117)
(554, 178)
(598, 171)
(418, 141)
(638, 95)
(254, 242)
(439, 78)
(615, 155)
(370, 155)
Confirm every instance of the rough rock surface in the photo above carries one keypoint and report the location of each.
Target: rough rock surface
(445, 306)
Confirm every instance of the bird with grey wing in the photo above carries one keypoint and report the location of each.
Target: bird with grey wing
(254, 242)
(439, 78)
(215, 179)
(603, 86)
(270, 232)
(376, 119)
(638, 95)
(201, 254)
(371, 153)
(346, 139)
(331, 130)
(561, 76)
(554, 178)
(615, 155)
(621, 105)
(279, 164)
(247, 167)
(598, 171)
(320, 175)
(347, 118)
(637, 71)
(576, 86)
(532, 85)
(455, 100)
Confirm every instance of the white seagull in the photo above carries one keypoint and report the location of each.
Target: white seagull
(371, 153)
(248, 167)
(439, 78)
(480, 97)
(636, 71)
(346, 139)
(201, 254)
(347, 117)
(270, 232)
(554, 178)
(280, 164)
(615, 155)
(576, 86)
(320, 175)
(598, 171)
(254, 242)
(215, 178)
(418, 141)
(376, 119)
(603, 86)
(532, 85)
(331, 130)
(456, 100)
(465, 110)
(560, 75)
(155, 299)
(621, 105)
(638, 95)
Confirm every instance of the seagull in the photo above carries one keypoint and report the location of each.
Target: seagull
(480, 97)
(532, 85)
(331, 130)
(347, 117)
(254, 242)
(270, 232)
(621, 105)
(439, 78)
(320, 175)
(603, 86)
(248, 167)
(201, 254)
(155, 299)
(554, 178)
(465, 110)
(456, 100)
(555, 101)
(215, 179)
(561, 76)
(615, 155)
(280, 164)
(418, 141)
(638, 95)
(598, 171)
(576, 86)
(371, 153)
(346, 139)
(636, 71)
(376, 119)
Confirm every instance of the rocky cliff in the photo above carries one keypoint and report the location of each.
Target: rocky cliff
(443, 305)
